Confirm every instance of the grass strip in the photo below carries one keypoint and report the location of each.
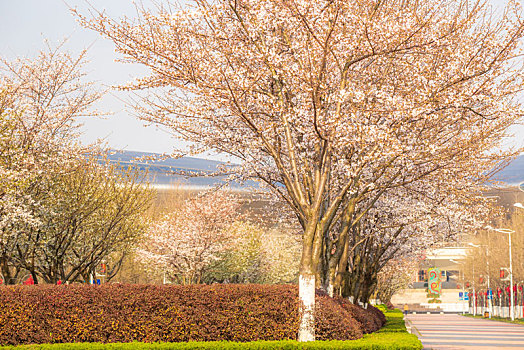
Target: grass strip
(497, 318)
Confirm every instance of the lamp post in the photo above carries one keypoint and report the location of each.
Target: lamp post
(490, 303)
(490, 292)
(463, 290)
(520, 206)
(512, 301)
(474, 292)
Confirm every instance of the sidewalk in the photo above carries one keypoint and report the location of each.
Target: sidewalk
(457, 332)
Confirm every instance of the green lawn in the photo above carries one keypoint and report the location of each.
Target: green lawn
(500, 319)
(392, 336)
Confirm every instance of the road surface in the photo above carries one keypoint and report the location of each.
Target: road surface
(459, 332)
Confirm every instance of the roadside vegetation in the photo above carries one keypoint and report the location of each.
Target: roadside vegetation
(372, 127)
(175, 313)
(497, 318)
(391, 336)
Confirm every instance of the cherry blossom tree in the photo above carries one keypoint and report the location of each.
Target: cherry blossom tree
(395, 276)
(403, 223)
(41, 100)
(186, 241)
(329, 103)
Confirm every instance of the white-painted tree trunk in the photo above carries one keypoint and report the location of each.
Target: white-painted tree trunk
(306, 295)
(330, 289)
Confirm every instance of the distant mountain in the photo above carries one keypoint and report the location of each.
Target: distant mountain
(166, 172)
(513, 174)
(187, 163)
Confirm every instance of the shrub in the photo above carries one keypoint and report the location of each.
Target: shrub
(391, 336)
(390, 305)
(370, 319)
(148, 313)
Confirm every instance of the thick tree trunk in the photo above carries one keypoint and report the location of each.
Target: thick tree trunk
(368, 285)
(35, 277)
(306, 295)
(307, 282)
(330, 289)
(6, 273)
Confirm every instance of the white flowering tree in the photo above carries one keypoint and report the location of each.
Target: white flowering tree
(329, 103)
(404, 222)
(186, 241)
(41, 100)
(395, 276)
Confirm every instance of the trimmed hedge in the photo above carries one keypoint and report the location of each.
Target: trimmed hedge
(147, 313)
(388, 337)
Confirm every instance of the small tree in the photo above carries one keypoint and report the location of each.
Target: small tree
(395, 276)
(258, 256)
(92, 214)
(185, 242)
(241, 261)
(40, 102)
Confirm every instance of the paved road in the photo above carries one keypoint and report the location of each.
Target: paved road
(459, 332)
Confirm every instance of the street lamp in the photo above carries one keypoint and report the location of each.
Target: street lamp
(463, 282)
(512, 301)
(473, 284)
(519, 205)
(490, 303)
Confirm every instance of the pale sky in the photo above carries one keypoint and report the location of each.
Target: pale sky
(25, 24)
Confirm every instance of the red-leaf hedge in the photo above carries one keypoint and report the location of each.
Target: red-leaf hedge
(149, 313)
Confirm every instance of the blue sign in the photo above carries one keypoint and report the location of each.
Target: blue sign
(461, 296)
(466, 297)
(490, 294)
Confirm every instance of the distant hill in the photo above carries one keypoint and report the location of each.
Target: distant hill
(164, 172)
(167, 172)
(187, 163)
(513, 174)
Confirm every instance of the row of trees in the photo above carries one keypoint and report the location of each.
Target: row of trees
(211, 237)
(490, 253)
(63, 211)
(375, 122)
